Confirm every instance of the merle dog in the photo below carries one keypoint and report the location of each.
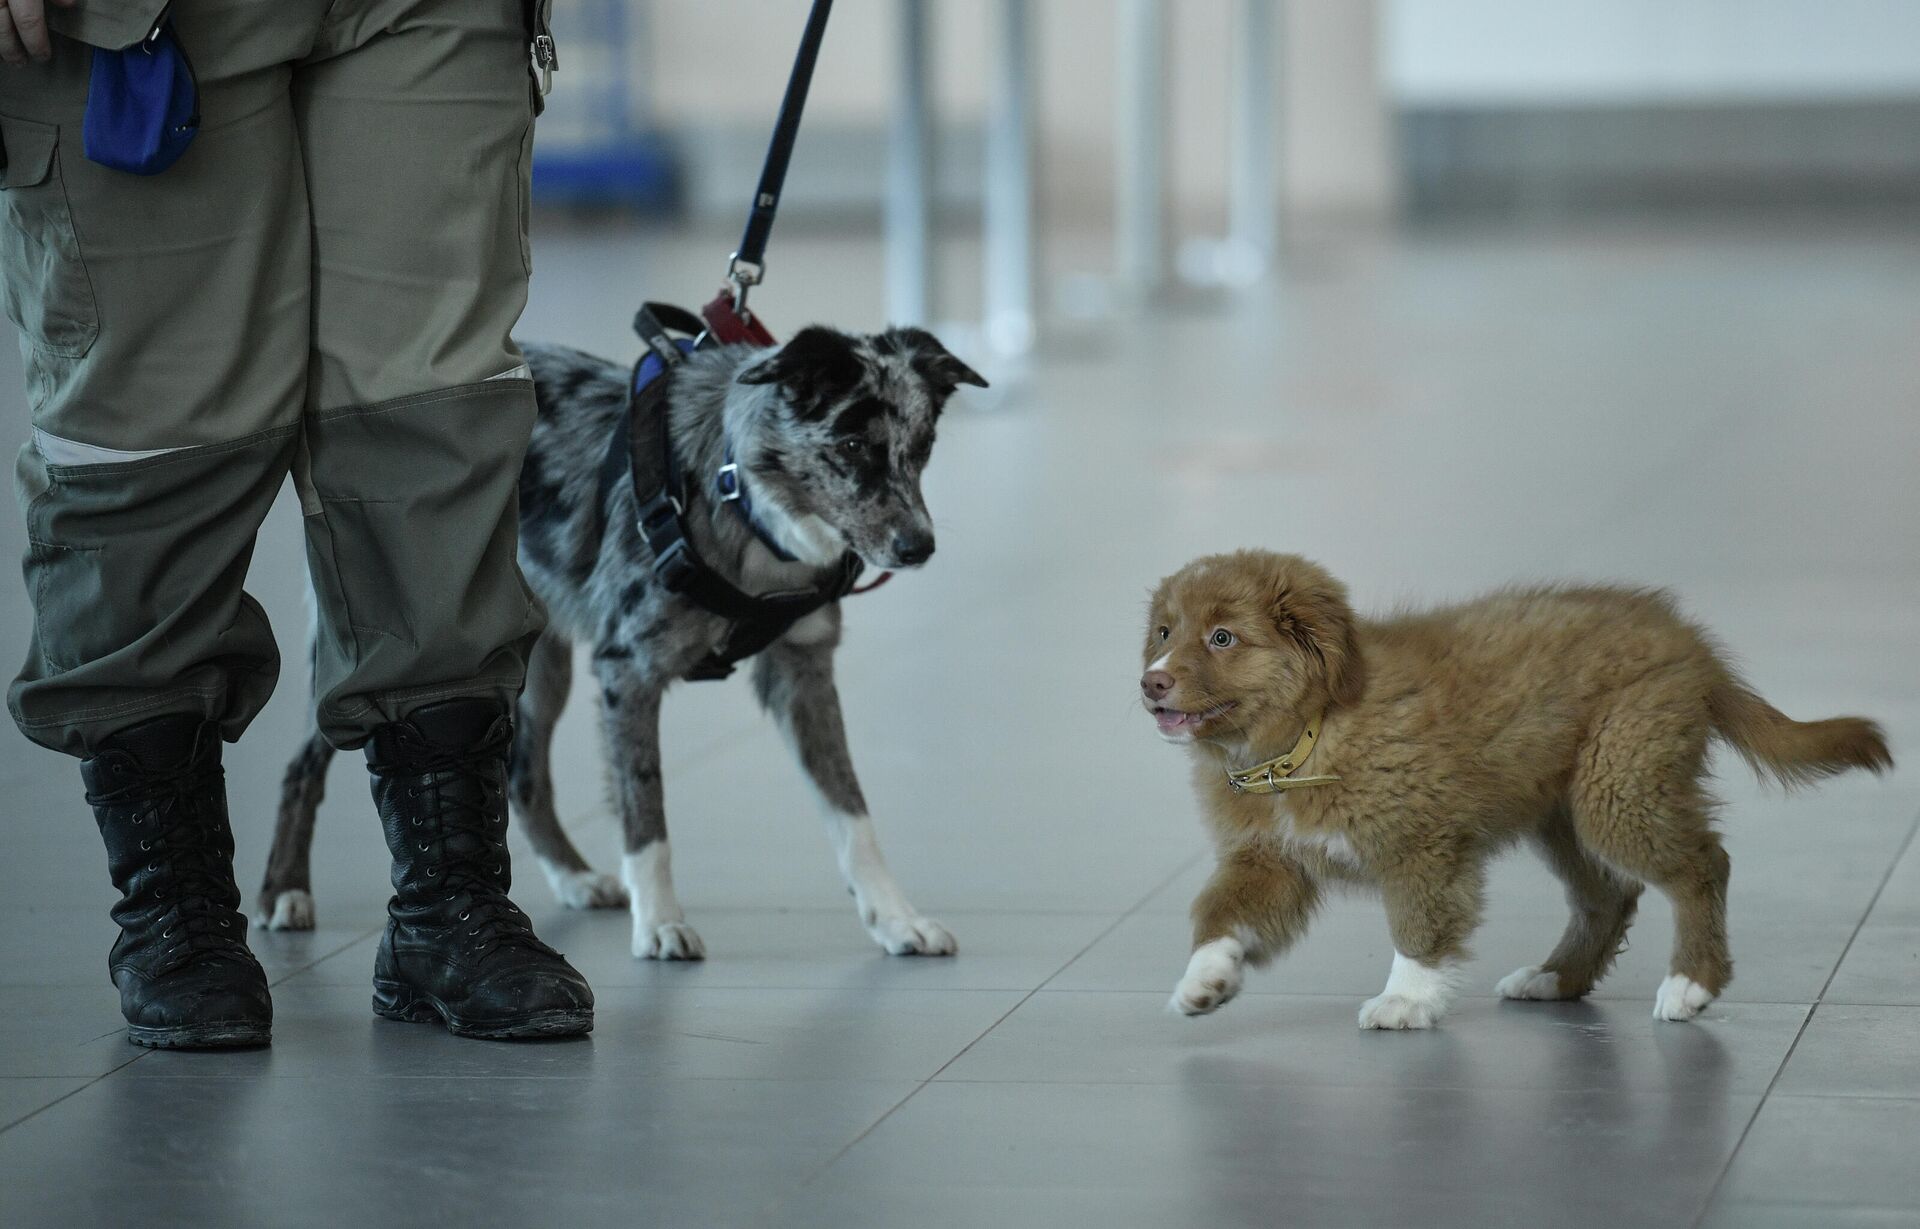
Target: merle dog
(830, 433)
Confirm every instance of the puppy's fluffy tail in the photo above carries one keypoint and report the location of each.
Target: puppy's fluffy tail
(1794, 752)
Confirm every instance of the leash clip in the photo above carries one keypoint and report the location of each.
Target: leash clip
(743, 274)
(727, 479)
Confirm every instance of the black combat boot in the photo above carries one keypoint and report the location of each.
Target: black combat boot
(186, 978)
(456, 949)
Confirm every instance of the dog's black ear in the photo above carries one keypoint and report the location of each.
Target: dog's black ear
(1310, 608)
(932, 361)
(816, 364)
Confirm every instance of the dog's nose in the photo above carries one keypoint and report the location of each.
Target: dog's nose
(913, 548)
(1155, 684)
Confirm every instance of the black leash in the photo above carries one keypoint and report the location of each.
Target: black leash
(747, 265)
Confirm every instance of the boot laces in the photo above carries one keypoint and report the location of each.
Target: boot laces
(470, 829)
(186, 850)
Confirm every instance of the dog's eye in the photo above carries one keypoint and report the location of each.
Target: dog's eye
(853, 445)
(1163, 633)
(1222, 638)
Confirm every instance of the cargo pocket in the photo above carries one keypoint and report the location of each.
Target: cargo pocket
(43, 279)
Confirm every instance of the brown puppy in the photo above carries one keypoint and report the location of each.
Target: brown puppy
(1400, 754)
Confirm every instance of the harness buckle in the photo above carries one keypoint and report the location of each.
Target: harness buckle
(727, 479)
(658, 523)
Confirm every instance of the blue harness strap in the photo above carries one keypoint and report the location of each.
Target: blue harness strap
(651, 367)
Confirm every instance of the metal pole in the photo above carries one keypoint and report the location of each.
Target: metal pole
(909, 208)
(1140, 216)
(1007, 222)
(1252, 201)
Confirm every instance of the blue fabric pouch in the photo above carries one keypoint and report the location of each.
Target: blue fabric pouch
(143, 105)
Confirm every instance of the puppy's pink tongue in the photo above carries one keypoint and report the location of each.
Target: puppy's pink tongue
(1169, 721)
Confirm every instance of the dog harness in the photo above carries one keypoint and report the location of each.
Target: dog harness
(1276, 775)
(755, 620)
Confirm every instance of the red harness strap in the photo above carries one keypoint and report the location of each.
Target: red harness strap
(729, 327)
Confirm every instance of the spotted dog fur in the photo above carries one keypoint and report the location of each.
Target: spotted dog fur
(831, 432)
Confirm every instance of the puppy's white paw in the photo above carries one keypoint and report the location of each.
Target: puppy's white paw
(667, 941)
(1680, 998)
(909, 934)
(292, 910)
(1529, 983)
(1212, 978)
(1400, 1011)
(585, 889)
(1416, 995)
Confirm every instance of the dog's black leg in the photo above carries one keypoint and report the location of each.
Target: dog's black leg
(549, 678)
(286, 895)
(630, 723)
(795, 683)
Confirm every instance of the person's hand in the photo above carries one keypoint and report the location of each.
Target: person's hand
(23, 30)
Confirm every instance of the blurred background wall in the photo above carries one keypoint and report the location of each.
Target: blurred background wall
(1426, 107)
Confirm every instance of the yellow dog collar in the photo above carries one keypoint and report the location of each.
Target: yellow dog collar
(1276, 775)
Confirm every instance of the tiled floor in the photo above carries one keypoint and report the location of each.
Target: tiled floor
(1728, 411)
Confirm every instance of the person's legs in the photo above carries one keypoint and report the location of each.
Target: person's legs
(164, 324)
(416, 122)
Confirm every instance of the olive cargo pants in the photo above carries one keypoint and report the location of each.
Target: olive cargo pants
(323, 285)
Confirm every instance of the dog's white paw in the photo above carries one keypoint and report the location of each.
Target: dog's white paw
(1680, 998)
(1400, 1011)
(1212, 978)
(292, 910)
(585, 889)
(1416, 995)
(667, 941)
(1529, 983)
(909, 934)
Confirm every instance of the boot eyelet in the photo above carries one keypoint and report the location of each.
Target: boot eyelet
(432, 871)
(145, 846)
(153, 866)
(137, 821)
(496, 868)
(473, 932)
(466, 915)
(423, 849)
(167, 933)
(418, 822)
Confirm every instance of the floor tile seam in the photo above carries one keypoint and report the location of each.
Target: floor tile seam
(329, 954)
(1862, 1098)
(873, 1126)
(1893, 864)
(1666, 1096)
(1733, 1153)
(70, 1093)
(1245, 995)
(598, 1077)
